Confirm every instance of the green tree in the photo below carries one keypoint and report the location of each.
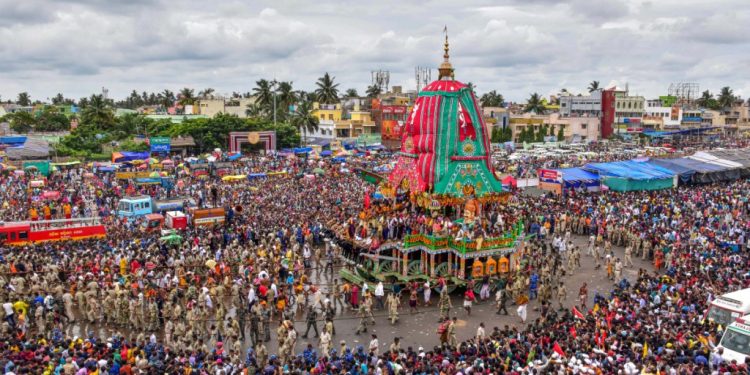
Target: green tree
(263, 92)
(98, 113)
(373, 91)
(593, 86)
(50, 119)
(561, 134)
(726, 97)
(165, 98)
(58, 99)
(327, 91)
(253, 110)
(207, 93)
(491, 99)
(534, 104)
(286, 97)
(304, 120)
(472, 88)
(287, 135)
(24, 99)
(187, 96)
(21, 122)
(707, 100)
(351, 93)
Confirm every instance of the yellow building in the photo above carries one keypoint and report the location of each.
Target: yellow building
(327, 112)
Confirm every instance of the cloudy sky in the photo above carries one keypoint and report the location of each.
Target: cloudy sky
(514, 46)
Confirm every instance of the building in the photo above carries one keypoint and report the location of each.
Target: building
(575, 129)
(212, 106)
(581, 105)
(496, 117)
(628, 111)
(671, 116)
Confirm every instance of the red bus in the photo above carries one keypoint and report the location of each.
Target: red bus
(24, 232)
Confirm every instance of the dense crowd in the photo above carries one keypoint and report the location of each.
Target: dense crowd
(211, 303)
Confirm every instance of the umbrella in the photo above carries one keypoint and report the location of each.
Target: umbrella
(153, 161)
(164, 174)
(319, 171)
(143, 166)
(136, 162)
(210, 263)
(154, 175)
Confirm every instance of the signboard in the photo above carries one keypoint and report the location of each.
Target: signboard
(160, 144)
(692, 119)
(41, 166)
(631, 120)
(635, 130)
(131, 175)
(550, 175)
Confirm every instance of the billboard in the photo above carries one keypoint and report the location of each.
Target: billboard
(391, 129)
(160, 144)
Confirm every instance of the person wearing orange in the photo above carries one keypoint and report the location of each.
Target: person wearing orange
(33, 214)
(67, 210)
(47, 212)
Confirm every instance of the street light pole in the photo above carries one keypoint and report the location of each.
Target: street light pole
(273, 86)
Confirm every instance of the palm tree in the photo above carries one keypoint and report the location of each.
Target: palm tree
(24, 99)
(286, 94)
(593, 86)
(726, 97)
(373, 91)
(263, 92)
(58, 99)
(304, 120)
(254, 110)
(187, 96)
(351, 93)
(327, 91)
(472, 88)
(207, 93)
(706, 100)
(492, 99)
(166, 98)
(98, 113)
(534, 104)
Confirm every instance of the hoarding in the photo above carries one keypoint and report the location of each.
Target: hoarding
(160, 144)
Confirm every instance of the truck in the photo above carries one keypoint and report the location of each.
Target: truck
(735, 342)
(170, 220)
(136, 207)
(726, 308)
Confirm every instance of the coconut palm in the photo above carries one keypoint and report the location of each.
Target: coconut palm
(263, 92)
(286, 94)
(707, 100)
(726, 97)
(187, 96)
(351, 93)
(98, 113)
(304, 120)
(534, 104)
(593, 86)
(373, 91)
(24, 99)
(327, 91)
(492, 99)
(254, 110)
(207, 93)
(166, 98)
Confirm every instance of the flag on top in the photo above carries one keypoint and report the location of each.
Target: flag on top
(578, 314)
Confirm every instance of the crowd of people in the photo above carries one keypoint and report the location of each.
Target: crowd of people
(232, 299)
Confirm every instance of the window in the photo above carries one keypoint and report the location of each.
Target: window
(322, 116)
(330, 116)
(23, 235)
(146, 204)
(583, 126)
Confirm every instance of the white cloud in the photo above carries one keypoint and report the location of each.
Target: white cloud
(513, 46)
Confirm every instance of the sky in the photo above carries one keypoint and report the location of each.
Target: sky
(516, 47)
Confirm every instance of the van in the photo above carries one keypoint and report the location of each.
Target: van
(735, 342)
(726, 308)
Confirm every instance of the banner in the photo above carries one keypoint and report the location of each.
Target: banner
(550, 175)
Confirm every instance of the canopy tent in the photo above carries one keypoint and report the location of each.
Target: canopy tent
(632, 175)
(122, 156)
(684, 173)
(510, 181)
(741, 156)
(326, 153)
(578, 178)
(708, 158)
(699, 171)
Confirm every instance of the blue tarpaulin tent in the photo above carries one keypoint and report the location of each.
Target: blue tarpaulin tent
(256, 175)
(702, 172)
(578, 178)
(129, 156)
(326, 153)
(632, 175)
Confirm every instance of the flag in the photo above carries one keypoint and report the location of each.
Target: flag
(573, 332)
(557, 349)
(595, 309)
(645, 350)
(578, 314)
(367, 200)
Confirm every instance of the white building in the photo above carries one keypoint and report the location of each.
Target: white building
(581, 105)
(671, 116)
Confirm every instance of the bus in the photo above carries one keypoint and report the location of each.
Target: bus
(726, 308)
(24, 232)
